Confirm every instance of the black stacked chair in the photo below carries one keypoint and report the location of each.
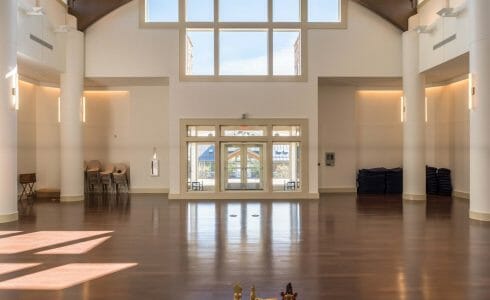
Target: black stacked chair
(371, 181)
(394, 181)
(431, 182)
(445, 187)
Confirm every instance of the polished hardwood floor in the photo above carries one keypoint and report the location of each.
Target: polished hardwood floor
(338, 247)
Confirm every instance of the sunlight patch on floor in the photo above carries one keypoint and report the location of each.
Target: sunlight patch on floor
(64, 276)
(35, 240)
(12, 267)
(2, 233)
(78, 248)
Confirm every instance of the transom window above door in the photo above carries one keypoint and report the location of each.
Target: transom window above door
(243, 39)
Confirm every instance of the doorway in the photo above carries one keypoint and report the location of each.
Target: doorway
(243, 166)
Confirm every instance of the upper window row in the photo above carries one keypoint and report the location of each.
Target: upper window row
(318, 11)
(243, 131)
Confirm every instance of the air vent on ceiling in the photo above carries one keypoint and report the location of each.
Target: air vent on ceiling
(41, 42)
(444, 42)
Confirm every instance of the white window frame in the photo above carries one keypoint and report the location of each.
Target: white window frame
(303, 26)
(268, 139)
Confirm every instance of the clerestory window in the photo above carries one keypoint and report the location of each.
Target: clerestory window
(244, 39)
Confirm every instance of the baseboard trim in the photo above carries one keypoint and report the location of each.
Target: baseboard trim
(7, 218)
(462, 195)
(72, 198)
(479, 216)
(244, 196)
(338, 190)
(412, 197)
(149, 191)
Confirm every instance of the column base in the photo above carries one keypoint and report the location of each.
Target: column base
(413, 197)
(72, 198)
(9, 217)
(479, 216)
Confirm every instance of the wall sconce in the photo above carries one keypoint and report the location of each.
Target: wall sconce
(426, 111)
(14, 76)
(83, 112)
(59, 109)
(402, 109)
(471, 92)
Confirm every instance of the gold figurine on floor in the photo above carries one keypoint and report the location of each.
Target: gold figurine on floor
(253, 295)
(237, 292)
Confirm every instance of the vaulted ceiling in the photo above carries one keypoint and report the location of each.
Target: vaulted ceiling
(395, 11)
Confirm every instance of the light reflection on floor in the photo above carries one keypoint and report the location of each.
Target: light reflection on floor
(40, 239)
(12, 267)
(64, 276)
(78, 248)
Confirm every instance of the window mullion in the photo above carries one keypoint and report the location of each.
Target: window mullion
(270, 58)
(216, 38)
(182, 11)
(304, 11)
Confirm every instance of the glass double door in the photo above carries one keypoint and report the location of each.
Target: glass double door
(243, 166)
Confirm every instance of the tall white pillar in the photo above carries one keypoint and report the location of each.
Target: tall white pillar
(479, 11)
(71, 85)
(8, 115)
(414, 120)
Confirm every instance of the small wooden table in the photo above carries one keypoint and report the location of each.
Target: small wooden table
(27, 182)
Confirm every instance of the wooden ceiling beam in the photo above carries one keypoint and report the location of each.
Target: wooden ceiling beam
(396, 12)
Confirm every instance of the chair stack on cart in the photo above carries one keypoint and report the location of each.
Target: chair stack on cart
(371, 181)
(390, 181)
(444, 184)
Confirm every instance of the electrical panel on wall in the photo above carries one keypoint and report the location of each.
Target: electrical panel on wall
(330, 159)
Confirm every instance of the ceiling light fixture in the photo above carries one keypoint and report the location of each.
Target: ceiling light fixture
(424, 29)
(36, 10)
(64, 28)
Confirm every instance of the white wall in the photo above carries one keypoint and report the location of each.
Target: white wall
(363, 128)
(379, 129)
(448, 131)
(124, 124)
(337, 132)
(443, 28)
(47, 138)
(42, 27)
(26, 129)
(117, 130)
(369, 46)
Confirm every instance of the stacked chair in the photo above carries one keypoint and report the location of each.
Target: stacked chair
(121, 176)
(106, 178)
(431, 184)
(92, 175)
(444, 182)
(371, 181)
(438, 181)
(394, 181)
(110, 178)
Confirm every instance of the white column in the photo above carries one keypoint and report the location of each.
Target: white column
(479, 11)
(8, 115)
(71, 84)
(414, 121)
